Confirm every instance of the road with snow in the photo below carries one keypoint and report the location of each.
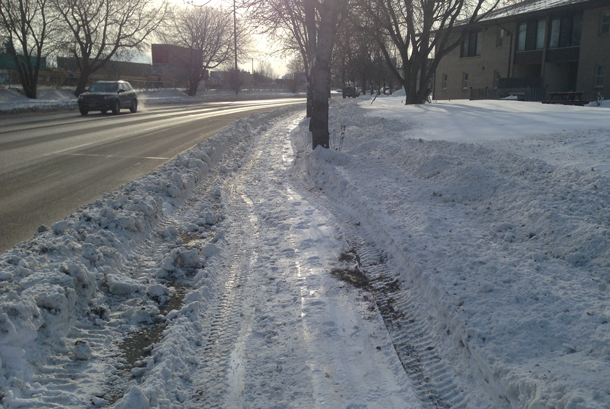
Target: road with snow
(52, 164)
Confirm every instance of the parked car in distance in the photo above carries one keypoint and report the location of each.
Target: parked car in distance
(108, 96)
(350, 92)
(339, 90)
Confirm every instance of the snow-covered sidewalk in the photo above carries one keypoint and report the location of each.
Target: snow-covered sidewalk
(445, 255)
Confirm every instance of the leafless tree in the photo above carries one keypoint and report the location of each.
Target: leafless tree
(285, 22)
(353, 56)
(264, 72)
(207, 32)
(96, 30)
(232, 80)
(296, 70)
(308, 27)
(26, 27)
(295, 65)
(328, 11)
(422, 32)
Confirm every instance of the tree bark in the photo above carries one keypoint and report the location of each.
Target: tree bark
(81, 86)
(310, 27)
(321, 73)
(309, 99)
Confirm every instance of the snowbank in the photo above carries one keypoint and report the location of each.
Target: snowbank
(80, 278)
(507, 253)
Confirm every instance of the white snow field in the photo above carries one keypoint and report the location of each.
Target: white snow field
(448, 255)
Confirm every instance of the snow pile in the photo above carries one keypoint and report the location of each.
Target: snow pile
(80, 275)
(48, 99)
(509, 250)
(7, 95)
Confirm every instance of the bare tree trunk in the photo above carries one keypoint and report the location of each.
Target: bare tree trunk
(82, 83)
(321, 74)
(193, 85)
(309, 98)
(319, 114)
(194, 78)
(310, 26)
(27, 76)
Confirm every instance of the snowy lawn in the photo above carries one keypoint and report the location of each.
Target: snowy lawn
(495, 213)
(212, 282)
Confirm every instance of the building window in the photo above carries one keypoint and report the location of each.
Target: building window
(604, 26)
(576, 30)
(565, 31)
(540, 31)
(500, 37)
(599, 76)
(444, 81)
(531, 35)
(521, 35)
(471, 45)
(554, 37)
(465, 80)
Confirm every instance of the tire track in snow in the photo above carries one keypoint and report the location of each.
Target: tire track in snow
(221, 372)
(415, 342)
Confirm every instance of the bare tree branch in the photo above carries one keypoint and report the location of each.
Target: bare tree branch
(207, 32)
(96, 30)
(27, 27)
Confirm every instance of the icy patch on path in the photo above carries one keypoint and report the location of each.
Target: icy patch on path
(305, 339)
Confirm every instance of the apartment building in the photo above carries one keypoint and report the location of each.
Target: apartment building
(530, 49)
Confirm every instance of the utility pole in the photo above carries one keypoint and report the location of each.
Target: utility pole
(235, 44)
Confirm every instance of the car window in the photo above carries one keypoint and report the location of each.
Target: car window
(128, 87)
(103, 87)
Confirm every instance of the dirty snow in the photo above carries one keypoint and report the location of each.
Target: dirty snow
(208, 283)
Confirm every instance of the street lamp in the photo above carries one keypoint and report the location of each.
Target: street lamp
(235, 45)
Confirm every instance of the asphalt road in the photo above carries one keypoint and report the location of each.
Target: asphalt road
(52, 164)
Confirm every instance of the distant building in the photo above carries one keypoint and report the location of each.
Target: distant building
(111, 68)
(7, 62)
(530, 49)
(173, 55)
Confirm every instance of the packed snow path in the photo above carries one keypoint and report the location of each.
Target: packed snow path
(287, 333)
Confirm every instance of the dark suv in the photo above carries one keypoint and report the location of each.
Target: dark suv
(350, 92)
(108, 96)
